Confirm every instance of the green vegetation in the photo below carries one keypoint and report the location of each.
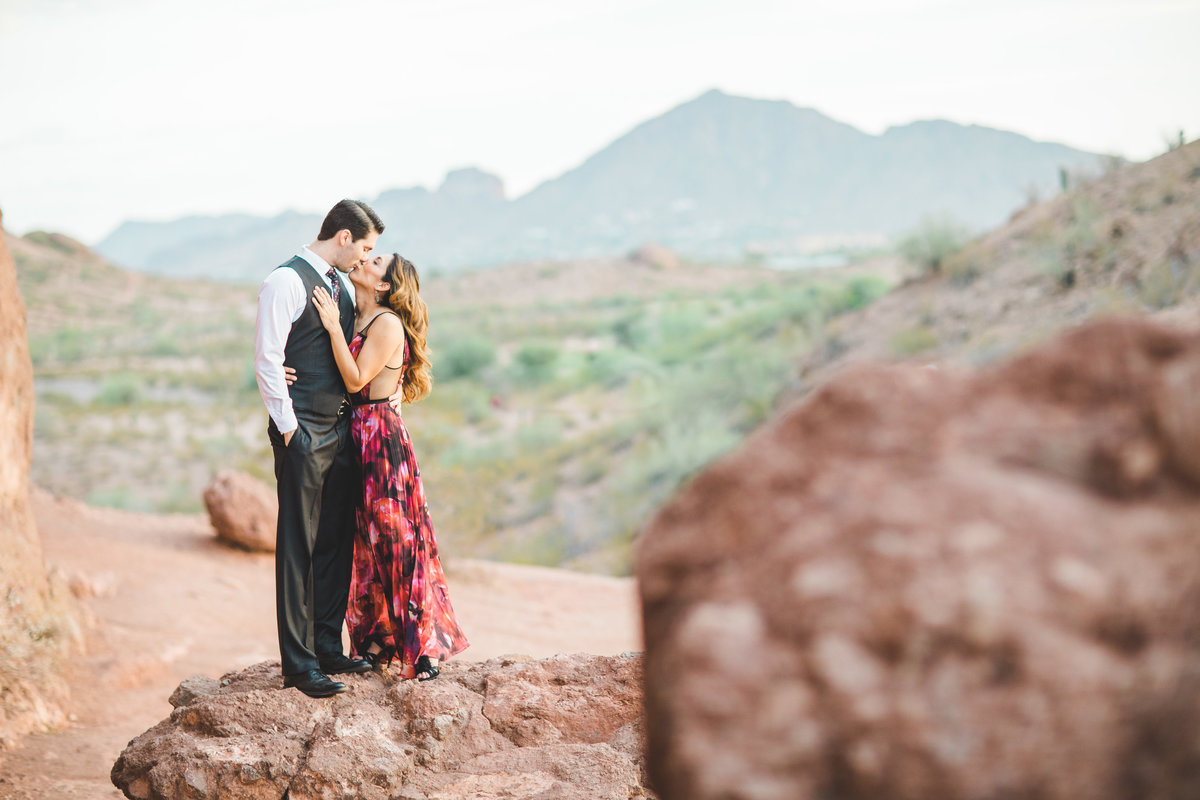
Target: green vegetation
(913, 341)
(935, 240)
(465, 358)
(536, 361)
(553, 431)
(121, 389)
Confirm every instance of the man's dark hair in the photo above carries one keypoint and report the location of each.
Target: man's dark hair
(351, 215)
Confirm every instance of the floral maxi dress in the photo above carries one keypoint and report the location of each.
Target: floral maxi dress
(398, 597)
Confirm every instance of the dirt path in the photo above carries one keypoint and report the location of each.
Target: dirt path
(169, 602)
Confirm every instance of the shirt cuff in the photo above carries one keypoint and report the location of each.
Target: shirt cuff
(286, 422)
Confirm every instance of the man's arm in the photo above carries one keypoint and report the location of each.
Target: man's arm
(280, 301)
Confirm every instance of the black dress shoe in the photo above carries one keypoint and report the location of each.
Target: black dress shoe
(341, 665)
(314, 683)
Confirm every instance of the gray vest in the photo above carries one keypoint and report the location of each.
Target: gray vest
(318, 388)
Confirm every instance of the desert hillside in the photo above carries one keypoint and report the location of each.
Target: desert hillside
(1126, 242)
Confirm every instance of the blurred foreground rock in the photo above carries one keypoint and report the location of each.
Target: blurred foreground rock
(567, 728)
(243, 510)
(923, 584)
(37, 618)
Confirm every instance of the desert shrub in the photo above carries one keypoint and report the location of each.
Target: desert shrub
(859, 292)
(164, 344)
(630, 330)
(464, 358)
(608, 367)
(1167, 283)
(537, 361)
(964, 266)
(249, 382)
(547, 547)
(933, 241)
(143, 315)
(120, 389)
(912, 341)
(612, 301)
(49, 240)
(1049, 261)
(117, 497)
(593, 467)
(680, 322)
(41, 349)
(180, 498)
(70, 345)
(1081, 235)
(539, 435)
(468, 455)
(677, 333)
(462, 401)
(667, 455)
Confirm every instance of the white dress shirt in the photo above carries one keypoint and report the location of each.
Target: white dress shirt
(281, 301)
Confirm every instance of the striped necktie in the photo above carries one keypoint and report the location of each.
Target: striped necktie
(336, 284)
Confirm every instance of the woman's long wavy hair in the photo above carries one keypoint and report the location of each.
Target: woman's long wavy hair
(404, 297)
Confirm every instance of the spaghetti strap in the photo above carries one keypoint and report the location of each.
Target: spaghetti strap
(403, 362)
(363, 332)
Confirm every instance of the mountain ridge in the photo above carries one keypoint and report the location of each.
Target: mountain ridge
(715, 178)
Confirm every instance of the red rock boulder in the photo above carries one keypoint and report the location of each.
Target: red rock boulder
(921, 584)
(243, 511)
(567, 727)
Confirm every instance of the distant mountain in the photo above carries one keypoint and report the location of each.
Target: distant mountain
(711, 178)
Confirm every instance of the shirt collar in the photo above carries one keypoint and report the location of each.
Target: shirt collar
(318, 263)
(322, 267)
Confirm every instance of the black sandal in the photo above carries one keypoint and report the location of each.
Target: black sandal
(375, 659)
(425, 667)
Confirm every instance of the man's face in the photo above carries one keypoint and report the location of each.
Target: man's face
(354, 252)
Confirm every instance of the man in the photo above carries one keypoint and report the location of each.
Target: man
(315, 468)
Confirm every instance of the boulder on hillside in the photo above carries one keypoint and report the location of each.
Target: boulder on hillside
(656, 256)
(567, 727)
(926, 584)
(243, 511)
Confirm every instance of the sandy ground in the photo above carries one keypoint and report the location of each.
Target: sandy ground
(167, 601)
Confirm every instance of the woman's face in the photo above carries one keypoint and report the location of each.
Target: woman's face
(368, 276)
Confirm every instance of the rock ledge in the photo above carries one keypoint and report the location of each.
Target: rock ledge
(565, 727)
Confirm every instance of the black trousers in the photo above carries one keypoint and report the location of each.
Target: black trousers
(314, 540)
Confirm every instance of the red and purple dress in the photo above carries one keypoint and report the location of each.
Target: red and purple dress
(398, 597)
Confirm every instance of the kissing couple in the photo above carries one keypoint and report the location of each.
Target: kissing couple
(340, 345)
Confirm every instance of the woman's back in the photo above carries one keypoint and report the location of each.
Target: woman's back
(384, 384)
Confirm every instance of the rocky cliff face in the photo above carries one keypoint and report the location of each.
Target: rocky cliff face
(33, 624)
(567, 728)
(931, 584)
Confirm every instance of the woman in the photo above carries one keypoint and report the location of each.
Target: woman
(399, 608)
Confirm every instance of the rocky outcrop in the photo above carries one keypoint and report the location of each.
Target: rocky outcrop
(567, 727)
(35, 619)
(243, 511)
(927, 584)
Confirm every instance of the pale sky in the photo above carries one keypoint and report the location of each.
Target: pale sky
(153, 109)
